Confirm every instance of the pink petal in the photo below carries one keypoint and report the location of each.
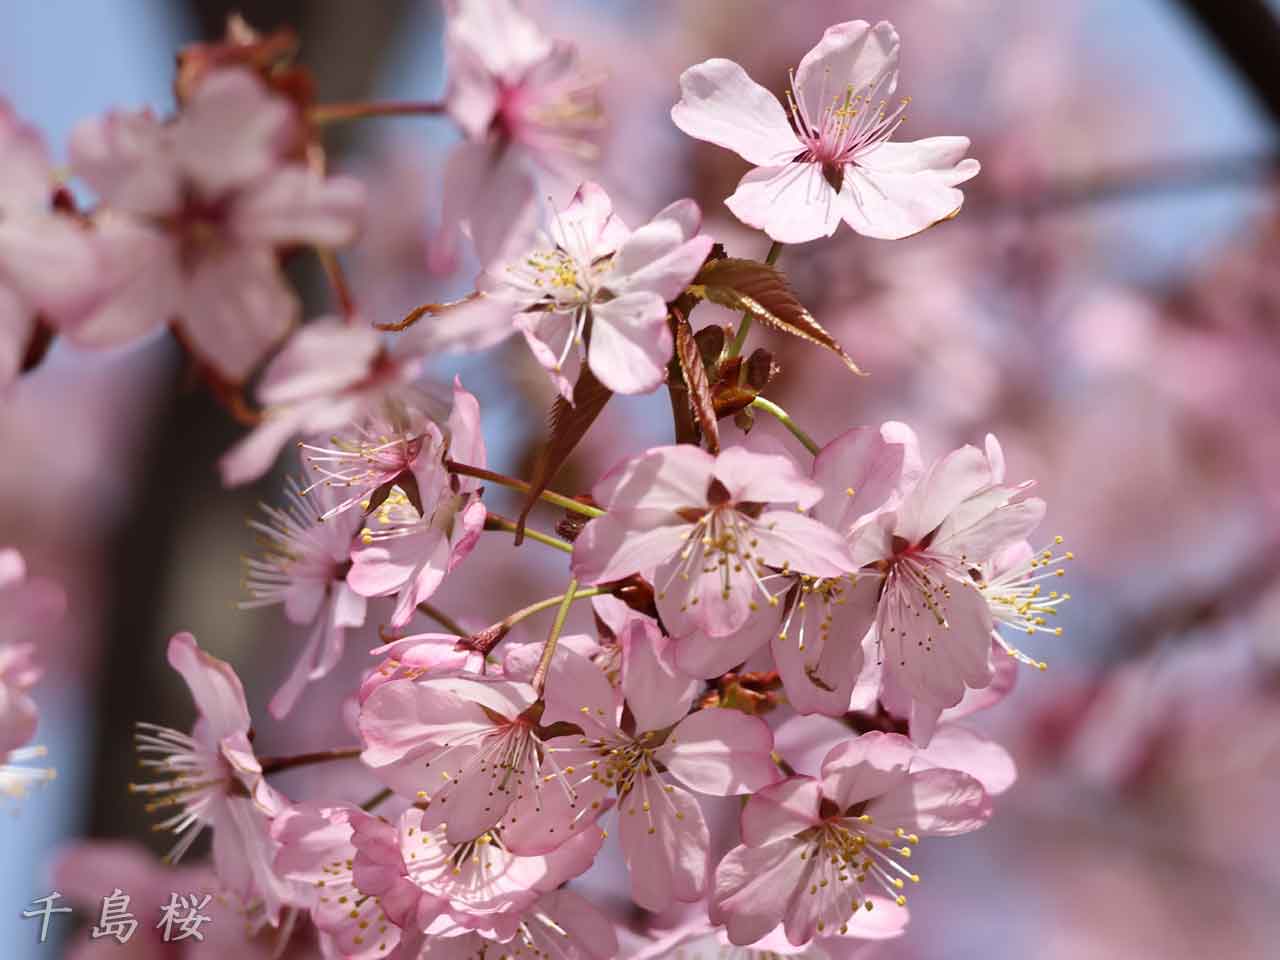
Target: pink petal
(630, 342)
(547, 815)
(720, 752)
(257, 451)
(955, 478)
(402, 720)
(657, 258)
(866, 767)
(851, 56)
(666, 845)
(607, 549)
(488, 191)
(791, 202)
(658, 693)
(701, 655)
(323, 357)
(126, 157)
(51, 262)
(765, 478)
(238, 307)
(886, 200)
(294, 205)
(1004, 677)
(858, 472)
(590, 934)
(142, 284)
(954, 747)
(979, 538)
(721, 104)
(231, 132)
(807, 546)
(17, 323)
(578, 692)
(466, 439)
(755, 886)
(662, 479)
(819, 674)
(587, 229)
(939, 802)
(781, 811)
(28, 179)
(214, 686)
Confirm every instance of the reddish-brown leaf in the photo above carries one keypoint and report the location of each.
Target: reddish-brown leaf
(763, 291)
(695, 376)
(568, 424)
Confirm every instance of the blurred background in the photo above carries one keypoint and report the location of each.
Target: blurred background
(1108, 303)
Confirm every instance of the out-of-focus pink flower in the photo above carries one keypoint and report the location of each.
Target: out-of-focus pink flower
(591, 272)
(705, 524)
(702, 940)
(316, 851)
(933, 622)
(664, 836)
(214, 779)
(418, 656)
(525, 111)
(832, 160)
(196, 212)
(472, 747)
(47, 262)
(429, 885)
(814, 848)
(304, 568)
(27, 604)
(329, 375)
(431, 519)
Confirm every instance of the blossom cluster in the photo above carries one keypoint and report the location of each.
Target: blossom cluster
(802, 632)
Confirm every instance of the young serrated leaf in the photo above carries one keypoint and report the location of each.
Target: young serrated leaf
(695, 376)
(763, 291)
(568, 424)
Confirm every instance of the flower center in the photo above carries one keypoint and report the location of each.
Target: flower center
(850, 121)
(853, 853)
(1018, 599)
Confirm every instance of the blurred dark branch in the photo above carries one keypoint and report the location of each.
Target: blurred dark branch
(1249, 169)
(1247, 33)
(1188, 608)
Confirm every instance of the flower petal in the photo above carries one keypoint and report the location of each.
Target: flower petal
(781, 810)
(657, 692)
(666, 843)
(720, 752)
(721, 104)
(630, 342)
(214, 686)
(865, 767)
(939, 802)
(295, 205)
(885, 198)
(791, 202)
(851, 56)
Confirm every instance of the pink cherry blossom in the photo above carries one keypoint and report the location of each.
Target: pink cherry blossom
(703, 940)
(304, 568)
(316, 851)
(470, 746)
(196, 212)
(933, 623)
(704, 525)
(814, 849)
(47, 263)
(558, 926)
(664, 836)
(428, 884)
(418, 656)
(27, 604)
(592, 284)
(431, 519)
(832, 159)
(214, 779)
(525, 111)
(329, 375)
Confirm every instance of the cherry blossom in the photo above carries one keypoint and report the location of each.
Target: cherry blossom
(26, 605)
(470, 747)
(214, 779)
(703, 524)
(328, 375)
(196, 212)
(526, 113)
(47, 263)
(316, 849)
(426, 883)
(815, 848)
(430, 520)
(592, 284)
(304, 568)
(933, 623)
(664, 836)
(832, 159)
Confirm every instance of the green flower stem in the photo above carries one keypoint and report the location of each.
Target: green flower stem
(496, 521)
(784, 418)
(539, 680)
(559, 499)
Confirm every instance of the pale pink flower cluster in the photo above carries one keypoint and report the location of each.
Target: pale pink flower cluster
(792, 642)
